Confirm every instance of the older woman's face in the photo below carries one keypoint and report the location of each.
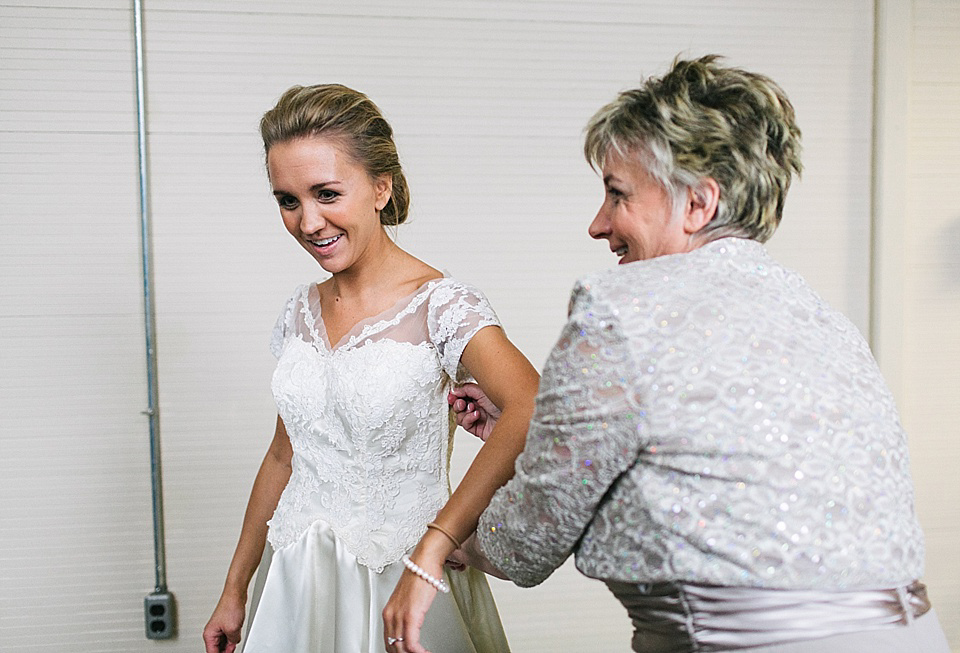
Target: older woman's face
(636, 217)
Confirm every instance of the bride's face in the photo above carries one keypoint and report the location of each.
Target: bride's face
(328, 201)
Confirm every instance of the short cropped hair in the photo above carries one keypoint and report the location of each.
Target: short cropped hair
(703, 119)
(342, 113)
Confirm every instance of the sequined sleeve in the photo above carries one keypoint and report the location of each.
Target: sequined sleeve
(582, 437)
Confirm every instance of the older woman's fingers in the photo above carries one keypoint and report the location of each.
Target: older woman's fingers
(457, 560)
(467, 420)
(462, 414)
(453, 564)
(468, 390)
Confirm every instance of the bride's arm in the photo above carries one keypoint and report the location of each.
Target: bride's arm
(222, 632)
(510, 381)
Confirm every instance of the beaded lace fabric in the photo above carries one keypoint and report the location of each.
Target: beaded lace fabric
(368, 418)
(708, 418)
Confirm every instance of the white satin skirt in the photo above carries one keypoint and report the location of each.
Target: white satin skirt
(314, 597)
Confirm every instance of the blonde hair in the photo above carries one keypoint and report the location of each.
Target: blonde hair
(702, 120)
(339, 112)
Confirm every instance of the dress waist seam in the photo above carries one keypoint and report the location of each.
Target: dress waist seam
(338, 533)
(670, 617)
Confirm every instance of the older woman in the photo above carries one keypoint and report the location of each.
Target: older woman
(711, 439)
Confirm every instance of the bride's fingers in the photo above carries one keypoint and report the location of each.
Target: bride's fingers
(411, 643)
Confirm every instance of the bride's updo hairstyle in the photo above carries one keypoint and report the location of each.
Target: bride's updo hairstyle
(341, 113)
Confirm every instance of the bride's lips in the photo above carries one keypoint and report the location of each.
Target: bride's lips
(325, 245)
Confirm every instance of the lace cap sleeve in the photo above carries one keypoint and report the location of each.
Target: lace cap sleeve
(284, 326)
(582, 437)
(455, 313)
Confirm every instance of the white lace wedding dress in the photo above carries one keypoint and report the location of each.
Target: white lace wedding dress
(371, 434)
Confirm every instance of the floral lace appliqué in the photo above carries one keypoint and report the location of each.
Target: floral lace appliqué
(368, 420)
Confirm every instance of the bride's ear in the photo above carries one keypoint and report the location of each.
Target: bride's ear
(383, 185)
(701, 205)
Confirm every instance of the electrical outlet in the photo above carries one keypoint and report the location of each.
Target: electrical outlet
(160, 615)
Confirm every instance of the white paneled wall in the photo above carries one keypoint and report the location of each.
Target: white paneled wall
(75, 523)
(488, 100)
(930, 388)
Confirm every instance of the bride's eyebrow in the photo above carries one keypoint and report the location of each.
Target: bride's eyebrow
(277, 192)
(324, 184)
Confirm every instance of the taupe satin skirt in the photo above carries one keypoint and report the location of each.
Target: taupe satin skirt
(682, 618)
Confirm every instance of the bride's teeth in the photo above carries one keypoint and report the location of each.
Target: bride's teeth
(325, 241)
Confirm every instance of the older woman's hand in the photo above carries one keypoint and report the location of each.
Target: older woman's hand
(471, 554)
(473, 410)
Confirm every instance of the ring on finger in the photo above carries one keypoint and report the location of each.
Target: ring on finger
(393, 640)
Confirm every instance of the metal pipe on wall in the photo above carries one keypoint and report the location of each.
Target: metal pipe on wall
(159, 616)
(888, 207)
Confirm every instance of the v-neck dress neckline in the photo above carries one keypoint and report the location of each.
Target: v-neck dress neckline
(366, 326)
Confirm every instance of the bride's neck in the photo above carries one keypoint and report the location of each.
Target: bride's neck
(375, 273)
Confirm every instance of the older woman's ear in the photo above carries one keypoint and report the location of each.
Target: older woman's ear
(701, 205)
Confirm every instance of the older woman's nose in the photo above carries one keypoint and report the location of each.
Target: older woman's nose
(600, 227)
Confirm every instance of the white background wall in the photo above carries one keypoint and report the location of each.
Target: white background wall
(488, 100)
(929, 294)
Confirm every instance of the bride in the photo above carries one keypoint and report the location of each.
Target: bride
(355, 483)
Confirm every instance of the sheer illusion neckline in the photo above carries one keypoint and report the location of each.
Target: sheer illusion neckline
(366, 326)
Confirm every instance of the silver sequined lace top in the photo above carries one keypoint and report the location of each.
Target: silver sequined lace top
(708, 418)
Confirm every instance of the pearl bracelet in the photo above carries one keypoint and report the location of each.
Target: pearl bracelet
(419, 571)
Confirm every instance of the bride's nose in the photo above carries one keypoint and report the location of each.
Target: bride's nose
(311, 219)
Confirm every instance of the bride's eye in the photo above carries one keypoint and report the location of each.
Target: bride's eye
(287, 202)
(327, 195)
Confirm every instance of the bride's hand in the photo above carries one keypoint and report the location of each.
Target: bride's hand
(406, 610)
(473, 410)
(222, 632)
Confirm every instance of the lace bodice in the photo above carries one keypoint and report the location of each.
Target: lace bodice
(708, 418)
(368, 418)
